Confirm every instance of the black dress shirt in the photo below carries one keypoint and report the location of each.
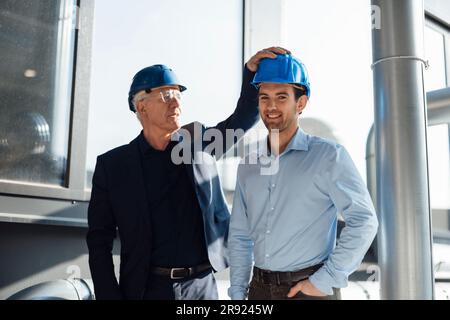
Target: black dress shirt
(178, 238)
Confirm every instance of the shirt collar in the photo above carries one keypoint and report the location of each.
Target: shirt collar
(298, 142)
(144, 146)
(147, 149)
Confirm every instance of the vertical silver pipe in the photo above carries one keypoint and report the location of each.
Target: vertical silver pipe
(438, 106)
(404, 239)
(63, 79)
(371, 170)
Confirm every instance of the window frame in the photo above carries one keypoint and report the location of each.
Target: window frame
(25, 202)
(74, 188)
(430, 22)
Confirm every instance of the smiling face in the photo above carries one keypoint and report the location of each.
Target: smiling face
(278, 107)
(158, 115)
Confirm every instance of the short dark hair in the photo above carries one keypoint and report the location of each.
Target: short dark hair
(299, 91)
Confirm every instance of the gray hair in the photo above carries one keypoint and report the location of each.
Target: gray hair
(137, 98)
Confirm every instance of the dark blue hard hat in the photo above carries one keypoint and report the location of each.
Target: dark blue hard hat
(283, 69)
(152, 77)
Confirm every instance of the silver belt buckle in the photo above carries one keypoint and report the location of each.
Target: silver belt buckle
(177, 269)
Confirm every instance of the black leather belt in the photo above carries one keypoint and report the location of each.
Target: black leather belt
(279, 277)
(180, 273)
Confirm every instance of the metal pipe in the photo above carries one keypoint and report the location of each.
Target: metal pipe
(371, 170)
(64, 60)
(438, 107)
(404, 238)
(68, 289)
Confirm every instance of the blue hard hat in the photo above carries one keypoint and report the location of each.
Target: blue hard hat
(283, 69)
(152, 77)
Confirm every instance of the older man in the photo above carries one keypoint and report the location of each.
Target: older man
(171, 217)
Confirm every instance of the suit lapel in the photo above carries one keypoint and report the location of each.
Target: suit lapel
(137, 184)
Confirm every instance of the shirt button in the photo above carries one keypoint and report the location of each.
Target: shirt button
(272, 208)
(273, 185)
(268, 231)
(267, 255)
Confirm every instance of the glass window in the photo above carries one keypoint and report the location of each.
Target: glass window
(435, 54)
(336, 47)
(36, 61)
(439, 166)
(201, 43)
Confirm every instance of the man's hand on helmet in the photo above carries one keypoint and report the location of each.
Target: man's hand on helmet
(271, 52)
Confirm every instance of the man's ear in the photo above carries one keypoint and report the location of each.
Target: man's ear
(140, 107)
(301, 103)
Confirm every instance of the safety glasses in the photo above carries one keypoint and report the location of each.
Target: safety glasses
(166, 95)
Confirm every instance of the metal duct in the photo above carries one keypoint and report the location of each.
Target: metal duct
(404, 238)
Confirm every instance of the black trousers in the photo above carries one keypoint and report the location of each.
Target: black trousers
(198, 287)
(259, 290)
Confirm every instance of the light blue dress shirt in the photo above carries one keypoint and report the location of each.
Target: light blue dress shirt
(287, 221)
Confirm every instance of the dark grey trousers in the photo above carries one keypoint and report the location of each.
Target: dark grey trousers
(200, 287)
(262, 291)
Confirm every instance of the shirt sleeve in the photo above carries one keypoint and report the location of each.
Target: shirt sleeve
(245, 115)
(240, 246)
(351, 198)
